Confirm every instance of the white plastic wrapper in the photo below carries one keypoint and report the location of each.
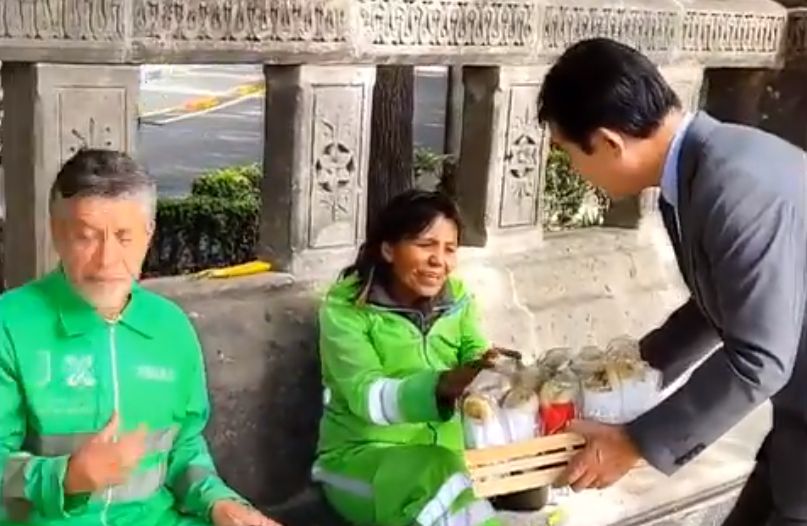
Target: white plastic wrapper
(503, 426)
(617, 385)
(495, 413)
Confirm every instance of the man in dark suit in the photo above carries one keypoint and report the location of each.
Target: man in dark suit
(733, 203)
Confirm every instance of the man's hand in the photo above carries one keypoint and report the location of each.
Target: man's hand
(231, 513)
(608, 455)
(102, 462)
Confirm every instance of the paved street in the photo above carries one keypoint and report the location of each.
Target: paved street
(181, 149)
(177, 153)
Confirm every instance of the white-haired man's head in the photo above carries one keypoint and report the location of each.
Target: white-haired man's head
(102, 212)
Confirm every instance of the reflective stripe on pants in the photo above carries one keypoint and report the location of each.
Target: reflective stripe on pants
(440, 505)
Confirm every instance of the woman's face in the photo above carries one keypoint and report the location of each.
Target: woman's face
(421, 265)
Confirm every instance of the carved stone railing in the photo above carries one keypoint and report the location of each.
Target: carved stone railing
(741, 32)
(320, 58)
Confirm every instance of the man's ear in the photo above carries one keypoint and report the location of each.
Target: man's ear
(609, 141)
(386, 252)
(56, 231)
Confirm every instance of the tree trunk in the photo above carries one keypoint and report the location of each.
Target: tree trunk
(455, 94)
(390, 171)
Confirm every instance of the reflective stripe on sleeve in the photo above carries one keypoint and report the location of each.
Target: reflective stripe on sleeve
(382, 402)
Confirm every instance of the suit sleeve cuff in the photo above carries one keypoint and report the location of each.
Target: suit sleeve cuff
(651, 446)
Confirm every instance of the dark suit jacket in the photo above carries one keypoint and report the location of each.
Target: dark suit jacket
(742, 250)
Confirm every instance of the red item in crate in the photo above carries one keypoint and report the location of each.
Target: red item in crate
(555, 417)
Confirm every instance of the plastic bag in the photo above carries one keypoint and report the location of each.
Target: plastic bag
(617, 385)
(559, 400)
(501, 407)
(640, 383)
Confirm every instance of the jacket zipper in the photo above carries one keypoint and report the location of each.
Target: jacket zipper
(424, 344)
(424, 348)
(113, 360)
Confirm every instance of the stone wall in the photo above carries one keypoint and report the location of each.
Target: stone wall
(259, 336)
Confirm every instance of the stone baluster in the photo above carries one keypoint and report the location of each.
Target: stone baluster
(502, 152)
(316, 155)
(50, 112)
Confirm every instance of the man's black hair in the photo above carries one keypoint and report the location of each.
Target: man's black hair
(600, 83)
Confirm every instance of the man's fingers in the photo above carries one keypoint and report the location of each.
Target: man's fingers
(585, 428)
(588, 480)
(141, 432)
(576, 469)
(131, 447)
(257, 518)
(110, 429)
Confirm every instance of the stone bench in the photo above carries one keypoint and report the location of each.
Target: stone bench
(259, 337)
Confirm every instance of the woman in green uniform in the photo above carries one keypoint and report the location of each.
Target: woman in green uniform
(399, 342)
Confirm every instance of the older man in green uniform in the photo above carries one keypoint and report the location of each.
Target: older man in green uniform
(102, 385)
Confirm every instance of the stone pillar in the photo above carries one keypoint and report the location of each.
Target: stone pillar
(50, 112)
(499, 177)
(315, 165)
(452, 141)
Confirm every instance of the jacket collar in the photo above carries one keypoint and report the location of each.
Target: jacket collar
(697, 135)
(78, 317)
(695, 142)
(379, 296)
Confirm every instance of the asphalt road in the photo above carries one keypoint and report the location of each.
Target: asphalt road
(178, 152)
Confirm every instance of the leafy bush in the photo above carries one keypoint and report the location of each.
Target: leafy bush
(238, 182)
(427, 162)
(570, 201)
(217, 225)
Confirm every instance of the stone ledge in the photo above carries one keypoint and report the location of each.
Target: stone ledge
(187, 287)
(716, 32)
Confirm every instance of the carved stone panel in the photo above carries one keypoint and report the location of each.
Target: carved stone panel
(796, 33)
(732, 32)
(336, 153)
(62, 19)
(242, 20)
(651, 30)
(90, 118)
(523, 149)
(509, 23)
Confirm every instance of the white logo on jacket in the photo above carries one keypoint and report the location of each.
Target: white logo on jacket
(155, 373)
(79, 371)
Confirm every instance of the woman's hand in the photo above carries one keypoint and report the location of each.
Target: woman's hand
(494, 352)
(452, 383)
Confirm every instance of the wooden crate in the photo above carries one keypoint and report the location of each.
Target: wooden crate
(525, 465)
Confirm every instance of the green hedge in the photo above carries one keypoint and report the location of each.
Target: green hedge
(217, 225)
(239, 182)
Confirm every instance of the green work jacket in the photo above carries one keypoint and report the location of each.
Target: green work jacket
(64, 370)
(380, 366)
